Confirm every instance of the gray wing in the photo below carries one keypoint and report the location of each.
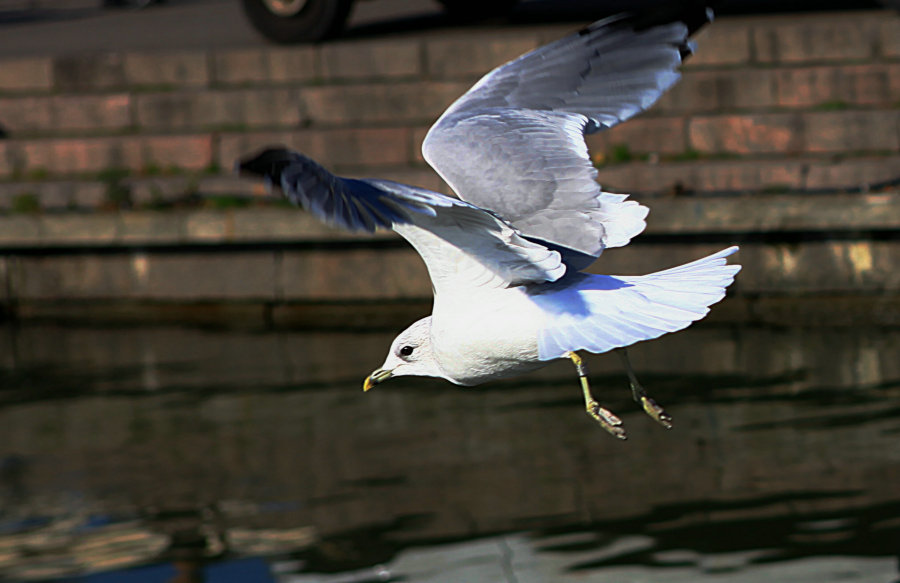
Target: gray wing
(463, 246)
(514, 143)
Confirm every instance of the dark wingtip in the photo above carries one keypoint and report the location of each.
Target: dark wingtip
(694, 14)
(267, 163)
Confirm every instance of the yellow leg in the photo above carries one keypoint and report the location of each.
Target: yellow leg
(604, 417)
(640, 395)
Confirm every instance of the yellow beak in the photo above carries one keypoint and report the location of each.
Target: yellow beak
(379, 376)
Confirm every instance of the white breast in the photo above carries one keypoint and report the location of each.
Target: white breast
(486, 336)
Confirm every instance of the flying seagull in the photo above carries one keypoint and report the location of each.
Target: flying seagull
(506, 258)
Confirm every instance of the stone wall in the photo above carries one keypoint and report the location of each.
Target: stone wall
(110, 163)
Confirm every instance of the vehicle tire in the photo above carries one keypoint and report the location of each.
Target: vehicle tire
(468, 10)
(297, 21)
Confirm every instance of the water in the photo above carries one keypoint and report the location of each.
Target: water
(178, 454)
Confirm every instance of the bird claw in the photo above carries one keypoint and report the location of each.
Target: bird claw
(607, 420)
(656, 412)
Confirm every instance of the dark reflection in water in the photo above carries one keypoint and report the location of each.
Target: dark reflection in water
(182, 455)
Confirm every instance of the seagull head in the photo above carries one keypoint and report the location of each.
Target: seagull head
(411, 355)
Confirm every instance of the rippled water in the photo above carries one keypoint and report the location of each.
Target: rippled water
(177, 454)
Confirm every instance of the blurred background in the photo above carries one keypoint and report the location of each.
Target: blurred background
(181, 355)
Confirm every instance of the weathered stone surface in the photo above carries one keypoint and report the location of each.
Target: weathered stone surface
(218, 109)
(90, 155)
(852, 172)
(89, 72)
(65, 114)
(359, 147)
(194, 152)
(890, 36)
(64, 194)
(726, 43)
(370, 103)
(241, 276)
(837, 86)
(337, 149)
(773, 213)
(266, 65)
(144, 192)
(458, 56)
(706, 176)
(671, 215)
(26, 74)
(664, 135)
(748, 134)
(149, 227)
(820, 38)
(861, 266)
(160, 70)
(720, 90)
(79, 155)
(363, 274)
(77, 229)
(371, 59)
(853, 131)
(78, 277)
(182, 276)
(19, 229)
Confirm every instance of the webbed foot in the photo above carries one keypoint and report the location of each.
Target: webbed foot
(603, 416)
(651, 407)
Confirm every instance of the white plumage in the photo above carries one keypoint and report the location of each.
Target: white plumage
(505, 258)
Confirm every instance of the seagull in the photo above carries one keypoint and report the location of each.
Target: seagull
(506, 257)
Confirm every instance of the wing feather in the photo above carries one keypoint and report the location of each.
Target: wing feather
(514, 143)
(462, 245)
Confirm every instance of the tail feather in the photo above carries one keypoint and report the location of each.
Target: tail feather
(600, 312)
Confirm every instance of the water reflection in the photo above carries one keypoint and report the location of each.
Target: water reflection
(175, 454)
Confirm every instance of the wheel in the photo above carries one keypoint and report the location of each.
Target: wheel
(295, 21)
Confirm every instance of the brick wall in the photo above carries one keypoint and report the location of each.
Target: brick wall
(768, 103)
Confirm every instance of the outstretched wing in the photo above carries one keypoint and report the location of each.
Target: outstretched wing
(601, 312)
(514, 143)
(463, 246)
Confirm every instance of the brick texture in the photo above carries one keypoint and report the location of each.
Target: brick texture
(379, 103)
(748, 134)
(167, 70)
(62, 114)
(27, 74)
(89, 72)
(374, 60)
(890, 37)
(269, 65)
(801, 102)
(337, 149)
(723, 44)
(869, 84)
(241, 108)
(722, 90)
(449, 58)
(830, 38)
(642, 135)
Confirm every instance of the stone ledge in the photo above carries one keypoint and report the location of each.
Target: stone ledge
(826, 311)
(681, 215)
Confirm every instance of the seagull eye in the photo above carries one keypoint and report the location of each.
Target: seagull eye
(406, 351)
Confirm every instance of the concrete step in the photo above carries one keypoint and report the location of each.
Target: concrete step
(420, 101)
(388, 273)
(644, 180)
(734, 215)
(770, 175)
